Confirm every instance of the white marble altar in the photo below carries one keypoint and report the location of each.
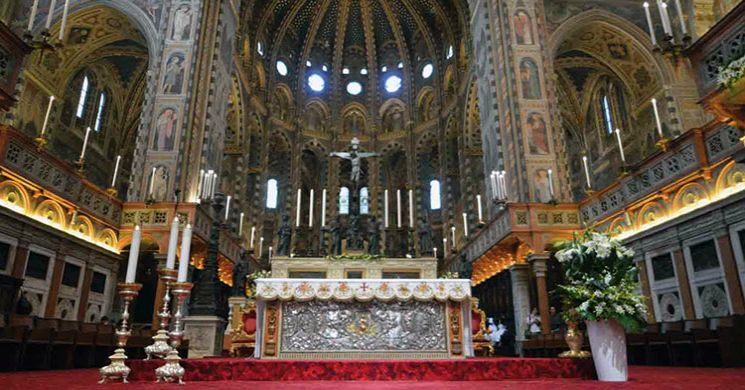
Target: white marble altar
(284, 267)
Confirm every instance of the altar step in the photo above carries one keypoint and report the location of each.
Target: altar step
(476, 369)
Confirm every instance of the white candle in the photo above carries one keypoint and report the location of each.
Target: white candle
(478, 208)
(85, 142)
(172, 243)
(208, 184)
(665, 18)
(411, 208)
(297, 211)
(452, 235)
(493, 179)
(213, 184)
(46, 117)
(183, 265)
(587, 171)
(152, 182)
(261, 246)
(465, 224)
(270, 254)
(657, 118)
(310, 209)
(444, 246)
(240, 224)
(200, 187)
(34, 8)
(134, 255)
(253, 235)
(51, 14)
(64, 20)
(551, 183)
(116, 171)
(435, 251)
(227, 207)
(385, 207)
(323, 207)
(650, 25)
(620, 146)
(398, 208)
(683, 27)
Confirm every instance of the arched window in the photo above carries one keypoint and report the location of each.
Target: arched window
(364, 201)
(271, 194)
(434, 195)
(611, 112)
(607, 115)
(344, 200)
(99, 113)
(83, 97)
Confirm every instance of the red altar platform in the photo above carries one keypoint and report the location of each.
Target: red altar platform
(476, 369)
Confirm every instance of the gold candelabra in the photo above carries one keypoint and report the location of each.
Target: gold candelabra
(172, 371)
(118, 369)
(159, 347)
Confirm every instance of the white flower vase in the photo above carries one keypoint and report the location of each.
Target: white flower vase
(608, 344)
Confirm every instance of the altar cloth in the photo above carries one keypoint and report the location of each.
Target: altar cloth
(363, 318)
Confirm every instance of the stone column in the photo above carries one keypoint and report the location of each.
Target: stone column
(646, 290)
(85, 292)
(684, 285)
(159, 291)
(54, 284)
(21, 257)
(538, 264)
(521, 301)
(731, 276)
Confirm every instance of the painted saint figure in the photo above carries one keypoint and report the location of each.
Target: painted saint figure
(181, 23)
(174, 75)
(165, 128)
(529, 81)
(541, 188)
(523, 30)
(538, 142)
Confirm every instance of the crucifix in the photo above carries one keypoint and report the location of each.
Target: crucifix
(355, 157)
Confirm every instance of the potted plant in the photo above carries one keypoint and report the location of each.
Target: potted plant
(600, 289)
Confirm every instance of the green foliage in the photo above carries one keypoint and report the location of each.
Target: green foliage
(449, 275)
(364, 257)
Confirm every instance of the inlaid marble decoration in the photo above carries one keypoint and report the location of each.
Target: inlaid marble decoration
(328, 326)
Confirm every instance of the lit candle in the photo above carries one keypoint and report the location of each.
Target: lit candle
(650, 25)
(323, 207)
(208, 184)
(172, 242)
(261, 246)
(270, 254)
(85, 142)
(134, 255)
(665, 18)
(551, 183)
(310, 209)
(493, 178)
(227, 207)
(683, 27)
(465, 224)
(587, 171)
(297, 211)
(116, 171)
(46, 117)
(152, 182)
(657, 118)
(240, 224)
(444, 246)
(34, 8)
(50, 15)
(200, 188)
(452, 235)
(478, 208)
(64, 20)
(398, 208)
(411, 208)
(253, 235)
(183, 261)
(385, 207)
(435, 251)
(213, 184)
(620, 146)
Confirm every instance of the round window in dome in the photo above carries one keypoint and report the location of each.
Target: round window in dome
(363, 71)
(354, 88)
(282, 68)
(427, 71)
(316, 82)
(392, 84)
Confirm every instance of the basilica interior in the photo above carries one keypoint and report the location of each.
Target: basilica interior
(366, 139)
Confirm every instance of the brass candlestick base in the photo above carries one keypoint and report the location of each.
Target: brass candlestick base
(574, 339)
(118, 369)
(160, 348)
(172, 371)
(589, 192)
(41, 142)
(112, 192)
(80, 165)
(662, 144)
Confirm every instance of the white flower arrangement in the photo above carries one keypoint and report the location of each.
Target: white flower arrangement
(730, 74)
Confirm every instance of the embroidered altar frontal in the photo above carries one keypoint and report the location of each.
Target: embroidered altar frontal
(370, 319)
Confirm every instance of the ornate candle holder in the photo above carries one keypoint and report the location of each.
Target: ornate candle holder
(80, 165)
(662, 144)
(41, 142)
(43, 43)
(172, 370)
(159, 347)
(118, 369)
(112, 192)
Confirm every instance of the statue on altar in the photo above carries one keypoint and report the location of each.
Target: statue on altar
(425, 242)
(373, 245)
(335, 230)
(355, 157)
(285, 236)
(354, 234)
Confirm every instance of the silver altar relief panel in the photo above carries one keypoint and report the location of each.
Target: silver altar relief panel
(329, 326)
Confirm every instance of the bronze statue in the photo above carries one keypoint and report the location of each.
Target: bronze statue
(373, 245)
(425, 243)
(285, 236)
(335, 230)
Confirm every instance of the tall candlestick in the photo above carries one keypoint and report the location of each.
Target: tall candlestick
(444, 246)
(297, 211)
(85, 142)
(682, 20)
(134, 255)
(261, 246)
(116, 171)
(465, 225)
(323, 208)
(587, 171)
(478, 208)
(50, 15)
(310, 210)
(34, 8)
(152, 182)
(213, 184)
(657, 118)
(183, 261)
(502, 184)
(46, 117)
(385, 208)
(172, 243)
(551, 183)
(620, 146)
(227, 207)
(665, 18)
(240, 224)
(452, 235)
(398, 208)
(411, 209)
(493, 179)
(253, 235)
(650, 25)
(200, 187)
(64, 20)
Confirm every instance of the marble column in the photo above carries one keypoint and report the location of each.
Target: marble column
(21, 257)
(520, 276)
(54, 285)
(85, 291)
(731, 276)
(646, 289)
(537, 262)
(684, 285)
